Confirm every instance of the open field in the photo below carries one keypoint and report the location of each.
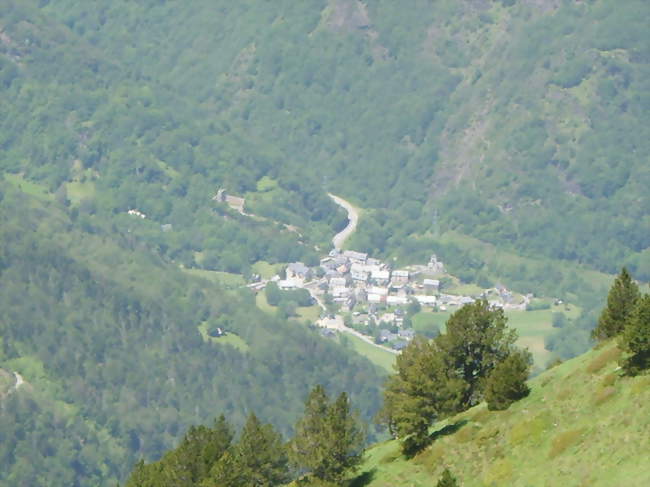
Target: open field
(78, 191)
(309, 313)
(532, 327)
(266, 270)
(376, 355)
(226, 278)
(29, 187)
(304, 313)
(228, 339)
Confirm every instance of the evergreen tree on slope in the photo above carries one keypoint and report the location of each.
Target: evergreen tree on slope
(635, 338)
(621, 300)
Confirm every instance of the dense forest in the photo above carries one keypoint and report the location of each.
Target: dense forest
(106, 335)
(509, 137)
(522, 124)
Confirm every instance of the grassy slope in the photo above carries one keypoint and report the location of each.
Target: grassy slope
(583, 424)
(376, 355)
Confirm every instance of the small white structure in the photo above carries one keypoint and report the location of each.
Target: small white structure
(380, 276)
(137, 213)
(358, 273)
(396, 300)
(375, 298)
(382, 291)
(289, 284)
(431, 284)
(341, 292)
(298, 270)
(355, 257)
(425, 300)
(338, 282)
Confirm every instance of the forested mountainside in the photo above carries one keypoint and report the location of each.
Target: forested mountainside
(521, 123)
(509, 137)
(106, 337)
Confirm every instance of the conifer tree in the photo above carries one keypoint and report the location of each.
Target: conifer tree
(258, 459)
(201, 448)
(507, 382)
(307, 450)
(328, 437)
(477, 339)
(635, 338)
(447, 479)
(261, 455)
(621, 300)
(421, 391)
(345, 439)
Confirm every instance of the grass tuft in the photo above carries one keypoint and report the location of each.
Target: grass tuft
(563, 441)
(604, 395)
(603, 359)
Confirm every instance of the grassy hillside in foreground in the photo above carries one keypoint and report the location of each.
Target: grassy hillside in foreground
(584, 424)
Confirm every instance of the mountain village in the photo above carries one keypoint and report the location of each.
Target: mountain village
(356, 291)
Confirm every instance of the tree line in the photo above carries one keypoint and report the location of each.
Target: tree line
(327, 444)
(475, 360)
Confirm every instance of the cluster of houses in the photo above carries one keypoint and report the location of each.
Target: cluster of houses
(352, 278)
(374, 292)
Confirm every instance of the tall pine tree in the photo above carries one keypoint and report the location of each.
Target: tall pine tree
(621, 300)
(329, 438)
(423, 389)
(635, 338)
(258, 459)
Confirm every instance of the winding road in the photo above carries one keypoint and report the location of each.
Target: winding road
(353, 219)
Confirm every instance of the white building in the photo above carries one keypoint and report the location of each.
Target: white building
(431, 284)
(380, 276)
(425, 300)
(396, 300)
(338, 282)
(400, 277)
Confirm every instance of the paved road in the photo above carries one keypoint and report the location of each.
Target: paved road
(353, 219)
(337, 324)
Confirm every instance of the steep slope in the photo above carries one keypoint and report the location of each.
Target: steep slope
(507, 121)
(584, 423)
(106, 335)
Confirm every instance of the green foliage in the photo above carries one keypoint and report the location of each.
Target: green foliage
(328, 440)
(507, 382)
(447, 479)
(189, 464)
(621, 301)
(476, 340)
(559, 424)
(449, 374)
(136, 371)
(635, 338)
(258, 458)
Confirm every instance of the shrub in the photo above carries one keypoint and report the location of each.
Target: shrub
(507, 382)
(447, 479)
